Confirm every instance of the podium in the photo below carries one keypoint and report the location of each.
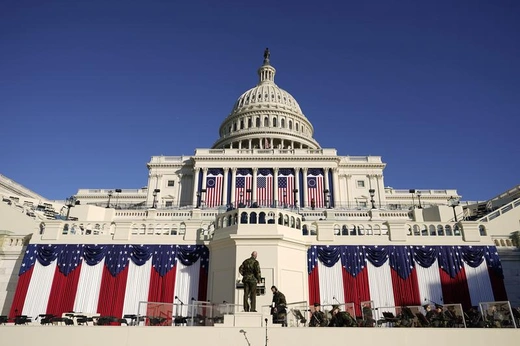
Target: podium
(260, 287)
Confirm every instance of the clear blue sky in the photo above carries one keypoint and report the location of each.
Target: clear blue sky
(90, 90)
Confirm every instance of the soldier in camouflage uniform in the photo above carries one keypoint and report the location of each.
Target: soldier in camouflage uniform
(250, 271)
(279, 307)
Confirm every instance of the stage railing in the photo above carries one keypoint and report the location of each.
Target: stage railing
(498, 315)
(196, 313)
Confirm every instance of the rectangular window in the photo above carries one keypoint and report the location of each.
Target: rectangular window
(360, 183)
(171, 182)
(168, 204)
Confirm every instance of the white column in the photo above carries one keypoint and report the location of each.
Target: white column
(177, 200)
(349, 192)
(195, 185)
(305, 201)
(378, 183)
(204, 176)
(225, 188)
(233, 184)
(297, 185)
(336, 188)
(253, 186)
(275, 185)
(326, 179)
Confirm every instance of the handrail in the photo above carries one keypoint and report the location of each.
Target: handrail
(497, 212)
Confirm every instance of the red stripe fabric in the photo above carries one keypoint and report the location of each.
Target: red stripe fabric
(112, 293)
(314, 287)
(162, 287)
(455, 290)
(20, 293)
(406, 291)
(63, 291)
(356, 289)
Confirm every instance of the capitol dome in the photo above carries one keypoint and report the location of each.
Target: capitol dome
(266, 117)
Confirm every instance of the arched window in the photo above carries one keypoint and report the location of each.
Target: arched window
(243, 217)
(261, 218)
(42, 227)
(282, 123)
(482, 230)
(65, 229)
(234, 126)
(258, 122)
(456, 229)
(448, 230)
(344, 230)
(252, 218)
(305, 230)
(297, 127)
(249, 123)
(274, 122)
(266, 122)
(416, 230)
(142, 229)
(182, 229)
(242, 124)
(336, 230)
(290, 124)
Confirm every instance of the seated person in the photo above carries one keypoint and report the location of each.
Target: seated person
(368, 319)
(438, 319)
(318, 318)
(341, 318)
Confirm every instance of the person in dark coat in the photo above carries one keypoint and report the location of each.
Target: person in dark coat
(279, 307)
(318, 317)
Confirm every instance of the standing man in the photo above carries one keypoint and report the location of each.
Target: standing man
(250, 271)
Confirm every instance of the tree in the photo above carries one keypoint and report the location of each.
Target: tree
(515, 238)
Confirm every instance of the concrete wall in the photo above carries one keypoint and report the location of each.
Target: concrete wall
(139, 336)
(13, 219)
(510, 260)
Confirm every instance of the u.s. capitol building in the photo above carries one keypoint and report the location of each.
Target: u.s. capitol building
(325, 227)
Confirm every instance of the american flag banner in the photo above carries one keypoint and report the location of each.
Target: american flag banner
(403, 275)
(264, 187)
(315, 187)
(109, 280)
(214, 183)
(285, 186)
(244, 182)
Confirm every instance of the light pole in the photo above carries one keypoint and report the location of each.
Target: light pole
(412, 191)
(202, 192)
(70, 202)
(155, 192)
(454, 202)
(295, 193)
(326, 197)
(248, 197)
(109, 196)
(419, 198)
(118, 191)
(372, 193)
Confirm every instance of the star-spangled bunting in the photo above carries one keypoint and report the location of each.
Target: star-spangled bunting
(404, 258)
(116, 256)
